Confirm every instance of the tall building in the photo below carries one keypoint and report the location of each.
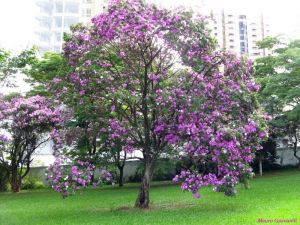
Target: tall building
(234, 31)
(239, 32)
(54, 17)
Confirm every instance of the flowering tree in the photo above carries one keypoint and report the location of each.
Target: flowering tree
(24, 123)
(215, 124)
(68, 179)
(158, 70)
(87, 131)
(98, 147)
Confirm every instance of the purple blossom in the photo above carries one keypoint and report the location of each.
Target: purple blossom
(197, 111)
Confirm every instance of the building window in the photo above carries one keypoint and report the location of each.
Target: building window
(230, 34)
(71, 7)
(242, 17)
(58, 7)
(57, 48)
(231, 40)
(256, 53)
(87, 12)
(58, 37)
(45, 23)
(243, 36)
(242, 25)
(47, 9)
(45, 37)
(70, 21)
(58, 22)
(244, 47)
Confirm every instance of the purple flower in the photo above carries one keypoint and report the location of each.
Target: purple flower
(196, 194)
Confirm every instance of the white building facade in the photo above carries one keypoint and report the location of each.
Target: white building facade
(54, 17)
(239, 33)
(234, 31)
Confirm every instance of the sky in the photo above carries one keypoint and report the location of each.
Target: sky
(16, 23)
(17, 17)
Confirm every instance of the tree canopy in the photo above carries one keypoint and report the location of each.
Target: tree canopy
(25, 123)
(280, 82)
(156, 74)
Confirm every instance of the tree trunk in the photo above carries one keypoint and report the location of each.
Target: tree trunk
(260, 166)
(15, 181)
(295, 150)
(142, 200)
(295, 154)
(121, 175)
(92, 178)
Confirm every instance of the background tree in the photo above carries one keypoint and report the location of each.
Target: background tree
(4, 175)
(25, 123)
(82, 134)
(43, 70)
(266, 157)
(280, 92)
(11, 65)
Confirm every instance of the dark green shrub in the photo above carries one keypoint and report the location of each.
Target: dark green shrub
(164, 170)
(32, 182)
(3, 178)
(268, 154)
(114, 172)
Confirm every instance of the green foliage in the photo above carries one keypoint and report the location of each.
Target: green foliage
(279, 76)
(12, 64)
(268, 42)
(42, 72)
(265, 66)
(164, 170)
(32, 182)
(228, 191)
(268, 154)
(3, 178)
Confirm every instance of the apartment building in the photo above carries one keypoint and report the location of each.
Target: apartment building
(239, 32)
(234, 31)
(54, 17)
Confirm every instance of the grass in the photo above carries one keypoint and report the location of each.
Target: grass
(273, 196)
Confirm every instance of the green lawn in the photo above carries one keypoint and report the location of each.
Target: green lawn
(274, 196)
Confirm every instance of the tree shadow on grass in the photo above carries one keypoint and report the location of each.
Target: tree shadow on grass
(172, 206)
